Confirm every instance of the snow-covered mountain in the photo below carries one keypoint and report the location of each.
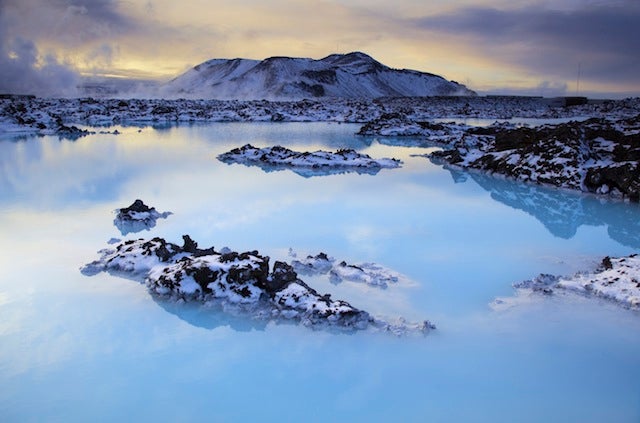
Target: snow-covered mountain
(353, 75)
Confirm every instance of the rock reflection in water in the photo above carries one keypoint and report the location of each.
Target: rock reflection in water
(562, 212)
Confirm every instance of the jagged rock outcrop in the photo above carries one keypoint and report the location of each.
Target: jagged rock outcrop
(137, 217)
(597, 156)
(242, 281)
(616, 279)
(307, 163)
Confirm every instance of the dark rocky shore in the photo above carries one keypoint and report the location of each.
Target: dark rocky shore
(596, 156)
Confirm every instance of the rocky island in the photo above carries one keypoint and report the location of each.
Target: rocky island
(243, 282)
(307, 163)
(137, 217)
(616, 279)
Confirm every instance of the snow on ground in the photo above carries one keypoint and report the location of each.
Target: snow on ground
(616, 280)
(30, 115)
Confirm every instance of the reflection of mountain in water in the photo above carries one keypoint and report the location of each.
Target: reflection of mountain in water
(561, 212)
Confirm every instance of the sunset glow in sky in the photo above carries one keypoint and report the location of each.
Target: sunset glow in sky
(535, 47)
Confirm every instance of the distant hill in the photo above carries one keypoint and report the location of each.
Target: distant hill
(353, 75)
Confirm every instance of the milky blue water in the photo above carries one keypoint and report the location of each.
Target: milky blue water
(78, 348)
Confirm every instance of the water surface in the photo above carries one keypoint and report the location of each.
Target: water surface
(78, 348)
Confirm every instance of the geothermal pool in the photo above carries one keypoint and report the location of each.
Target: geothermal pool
(100, 348)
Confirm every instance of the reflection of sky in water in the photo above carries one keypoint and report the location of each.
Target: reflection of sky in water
(76, 346)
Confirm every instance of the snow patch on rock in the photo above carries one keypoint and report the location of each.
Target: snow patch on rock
(616, 280)
(371, 274)
(137, 217)
(307, 163)
(241, 281)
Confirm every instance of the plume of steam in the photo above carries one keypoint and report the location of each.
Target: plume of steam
(24, 71)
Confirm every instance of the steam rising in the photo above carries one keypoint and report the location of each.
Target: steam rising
(24, 71)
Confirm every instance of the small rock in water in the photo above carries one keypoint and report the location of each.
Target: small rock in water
(137, 217)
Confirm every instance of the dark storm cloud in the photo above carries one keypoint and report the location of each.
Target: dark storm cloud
(600, 40)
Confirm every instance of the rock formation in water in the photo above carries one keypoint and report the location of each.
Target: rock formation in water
(239, 280)
(596, 156)
(371, 274)
(137, 217)
(307, 163)
(616, 280)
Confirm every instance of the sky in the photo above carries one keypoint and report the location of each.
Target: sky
(529, 47)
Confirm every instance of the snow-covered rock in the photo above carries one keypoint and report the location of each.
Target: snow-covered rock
(17, 118)
(134, 257)
(307, 163)
(399, 125)
(28, 115)
(137, 217)
(242, 281)
(371, 274)
(616, 280)
(597, 156)
(320, 264)
(353, 75)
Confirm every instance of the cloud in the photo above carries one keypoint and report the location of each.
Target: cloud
(515, 43)
(23, 71)
(69, 22)
(597, 40)
(31, 31)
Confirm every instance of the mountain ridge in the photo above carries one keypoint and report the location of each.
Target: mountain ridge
(352, 75)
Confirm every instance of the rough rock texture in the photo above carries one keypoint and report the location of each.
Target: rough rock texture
(306, 163)
(616, 279)
(596, 156)
(240, 280)
(137, 217)
(396, 124)
(371, 274)
(319, 264)
(27, 116)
